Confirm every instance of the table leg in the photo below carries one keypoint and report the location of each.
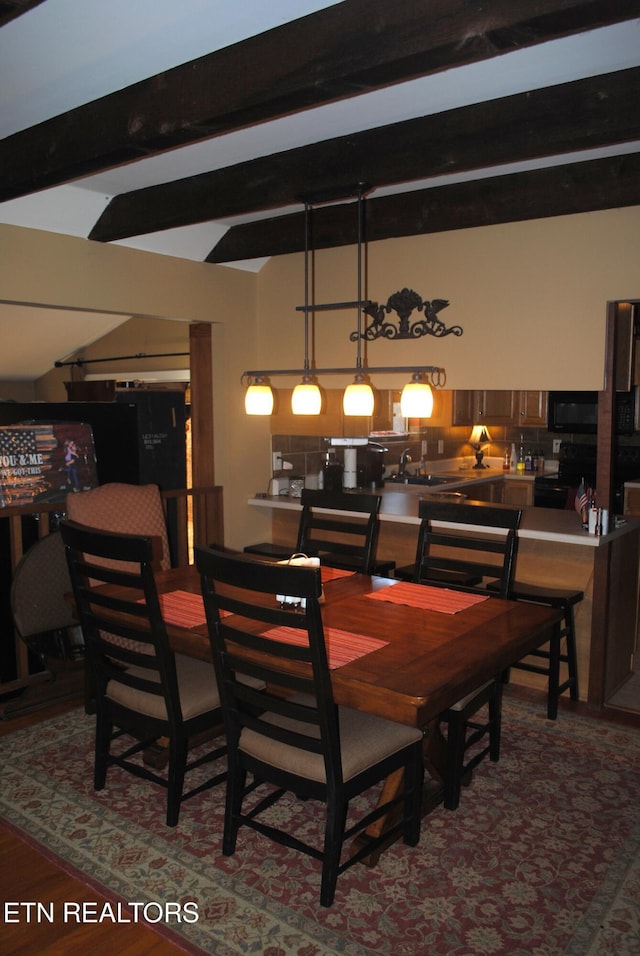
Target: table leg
(434, 756)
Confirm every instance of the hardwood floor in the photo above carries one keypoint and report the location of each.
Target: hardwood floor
(26, 875)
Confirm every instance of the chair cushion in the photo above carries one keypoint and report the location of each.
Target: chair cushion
(540, 594)
(364, 739)
(197, 686)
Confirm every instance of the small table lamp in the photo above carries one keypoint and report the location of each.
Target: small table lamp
(479, 436)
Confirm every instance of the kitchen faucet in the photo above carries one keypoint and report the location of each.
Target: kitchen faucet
(405, 458)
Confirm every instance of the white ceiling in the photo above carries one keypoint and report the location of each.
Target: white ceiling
(64, 53)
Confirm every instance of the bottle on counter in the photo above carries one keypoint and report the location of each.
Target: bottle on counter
(514, 457)
(540, 462)
(520, 467)
(506, 461)
(528, 460)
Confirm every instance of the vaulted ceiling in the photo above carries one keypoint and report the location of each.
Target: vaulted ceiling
(197, 129)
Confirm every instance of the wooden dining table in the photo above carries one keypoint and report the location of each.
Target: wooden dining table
(430, 657)
(419, 649)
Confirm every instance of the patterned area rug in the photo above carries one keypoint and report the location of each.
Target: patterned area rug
(542, 857)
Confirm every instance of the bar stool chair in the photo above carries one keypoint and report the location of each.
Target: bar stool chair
(552, 654)
(477, 539)
(346, 538)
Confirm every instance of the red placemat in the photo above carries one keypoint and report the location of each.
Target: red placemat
(184, 609)
(427, 597)
(342, 646)
(331, 574)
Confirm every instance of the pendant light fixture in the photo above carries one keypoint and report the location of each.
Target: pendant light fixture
(306, 398)
(258, 398)
(358, 398)
(416, 400)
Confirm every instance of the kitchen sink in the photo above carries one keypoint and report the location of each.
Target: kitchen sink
(429, 480)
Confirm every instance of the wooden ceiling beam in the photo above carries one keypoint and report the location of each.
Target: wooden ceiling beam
(536, 194)
(338, 52)
(10, 9)
(593, 112)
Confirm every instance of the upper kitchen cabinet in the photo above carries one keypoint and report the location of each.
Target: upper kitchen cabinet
(498, 407)
(484, 406)
(533, 408)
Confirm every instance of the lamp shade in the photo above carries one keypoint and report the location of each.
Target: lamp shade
(479, 435)
(306, 399)
(358, 398)
(258, 399)
(416, 400)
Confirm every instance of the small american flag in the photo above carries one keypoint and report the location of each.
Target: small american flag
(582, 498)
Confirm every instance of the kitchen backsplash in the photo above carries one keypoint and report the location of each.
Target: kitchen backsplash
(306, 453)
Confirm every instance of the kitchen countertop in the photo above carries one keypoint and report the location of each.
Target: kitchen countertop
(400, 505)
(467, 476)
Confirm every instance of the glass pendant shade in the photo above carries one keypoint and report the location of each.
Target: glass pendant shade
(306, 399)
(258, 400)
(416, 400)
(358, 398)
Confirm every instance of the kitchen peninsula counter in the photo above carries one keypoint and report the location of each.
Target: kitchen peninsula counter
(400, 506)
(554, 552)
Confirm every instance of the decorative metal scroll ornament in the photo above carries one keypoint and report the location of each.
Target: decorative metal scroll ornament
(404, 303)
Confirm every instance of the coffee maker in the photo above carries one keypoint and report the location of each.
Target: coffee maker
(332, 471)
(371, 465)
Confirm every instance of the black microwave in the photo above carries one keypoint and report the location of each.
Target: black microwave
(577, 412)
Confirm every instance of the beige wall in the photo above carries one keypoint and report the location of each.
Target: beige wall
(17, 391)
(531, 299)
(133, 337)
(43, 268)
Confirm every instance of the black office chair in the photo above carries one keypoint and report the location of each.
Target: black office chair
(297, 739)
(142, 688)
(469, 549)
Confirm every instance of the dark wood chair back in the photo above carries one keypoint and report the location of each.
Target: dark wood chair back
(292, 735)
(126, 628)
(474, 538)
(246, 588)
(329, 528)
(137, 681)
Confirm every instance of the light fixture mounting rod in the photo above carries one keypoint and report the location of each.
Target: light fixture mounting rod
(437, 375)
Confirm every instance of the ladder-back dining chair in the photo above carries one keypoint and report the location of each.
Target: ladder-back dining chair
(480, 539)
(341, 528)
(142, 688)
(293, 737)
(561, 648)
